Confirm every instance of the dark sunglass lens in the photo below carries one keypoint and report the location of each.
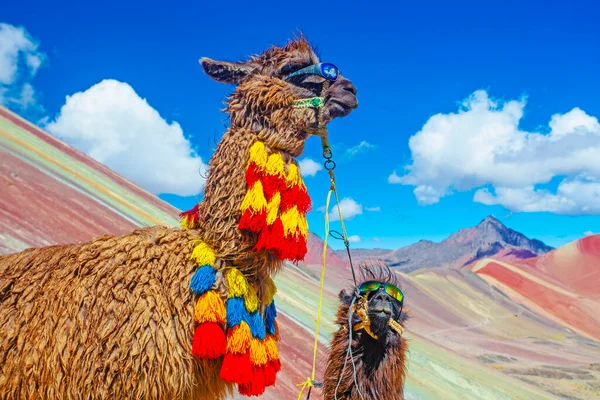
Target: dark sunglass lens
(329, 71)
(394, 292)
(369, 286)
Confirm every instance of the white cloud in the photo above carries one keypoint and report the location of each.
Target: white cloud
(20, 60)
(309, 167)
(349, 208)
(481, 145)
(116, 127)
(376, 239)
(354, 239)
(588, 233)
(359, 148)
(394, 178)
(373, 209)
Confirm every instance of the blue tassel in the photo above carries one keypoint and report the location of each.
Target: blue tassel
(257, 327)
(203, 279)
(270, 315)
(236, 311)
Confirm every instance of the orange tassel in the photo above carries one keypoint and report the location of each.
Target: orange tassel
(238, 339)
(210, 308)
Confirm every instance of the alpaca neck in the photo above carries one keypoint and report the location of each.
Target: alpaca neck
(258, 223)
(224, 191)
(374, 356)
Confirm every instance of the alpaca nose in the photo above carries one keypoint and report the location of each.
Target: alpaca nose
(382, 296)
(347, 86)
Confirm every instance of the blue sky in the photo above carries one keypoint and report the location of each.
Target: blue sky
(409, 62)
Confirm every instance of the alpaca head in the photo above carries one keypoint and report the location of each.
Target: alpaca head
(382, 305)
(265, 100)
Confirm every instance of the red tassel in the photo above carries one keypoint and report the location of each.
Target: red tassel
(252, 174)
(293, 248)
(276, 365)
(272, 184)
(271, 238)
(191, 216)
(252, 221)
(296, 196)
(270, 374)
(209, 341)
(257, 386)
(237, 368)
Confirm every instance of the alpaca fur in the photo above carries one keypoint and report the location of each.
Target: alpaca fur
(380, 363)
(114, 318)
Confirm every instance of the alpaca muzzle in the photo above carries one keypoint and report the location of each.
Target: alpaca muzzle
(362, 310)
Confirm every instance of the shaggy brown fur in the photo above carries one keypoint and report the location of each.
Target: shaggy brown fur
(380, 363)
(113, 318)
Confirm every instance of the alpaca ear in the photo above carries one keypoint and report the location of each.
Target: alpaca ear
(226, 72)
(345, 297)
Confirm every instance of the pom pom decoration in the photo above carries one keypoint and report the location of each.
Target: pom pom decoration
(251, 299)
(275, 205)
(270, 374)
(242, 330)
(258, 352)
(203, 255)
(256, 324)
(203, 279)
(210, 308)
(293, 177)
(189, 219)
(209, 341)
(271, 348)
(270, 315)
(239, 338)
(258, 154)
(236, 368)
(257, 386)
(236, 312)
(236, 283)
(269, 289)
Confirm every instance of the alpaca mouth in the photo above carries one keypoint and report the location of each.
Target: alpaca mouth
(383, 312)
(341, 107)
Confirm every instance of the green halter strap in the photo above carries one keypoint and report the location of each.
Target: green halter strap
(316, 102)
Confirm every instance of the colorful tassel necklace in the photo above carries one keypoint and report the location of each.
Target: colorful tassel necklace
(238, 328)
(275, 205)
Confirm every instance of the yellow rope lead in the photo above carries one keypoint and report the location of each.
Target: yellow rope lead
(309, 381)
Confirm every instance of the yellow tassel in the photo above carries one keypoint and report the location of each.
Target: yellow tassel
(237, 284)
(184, 223)
(269, 290)
(275, 165)
(255, 198)
(258, 155)
(203, 255)
(293, 176)
(273, 208)
(210, 308)
(251, 299)
(271, 348)
(292, 220)
(239, 341)
(258, 352)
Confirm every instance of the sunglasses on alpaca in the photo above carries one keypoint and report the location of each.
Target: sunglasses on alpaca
(326, 70)
(372, 286)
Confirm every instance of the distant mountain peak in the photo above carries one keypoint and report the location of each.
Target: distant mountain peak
(488, 238)
(490, 219)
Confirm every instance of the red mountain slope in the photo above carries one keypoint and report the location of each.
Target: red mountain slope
(563, 285)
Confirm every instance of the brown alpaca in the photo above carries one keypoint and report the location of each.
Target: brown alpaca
(179, 314)
(378, 348)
